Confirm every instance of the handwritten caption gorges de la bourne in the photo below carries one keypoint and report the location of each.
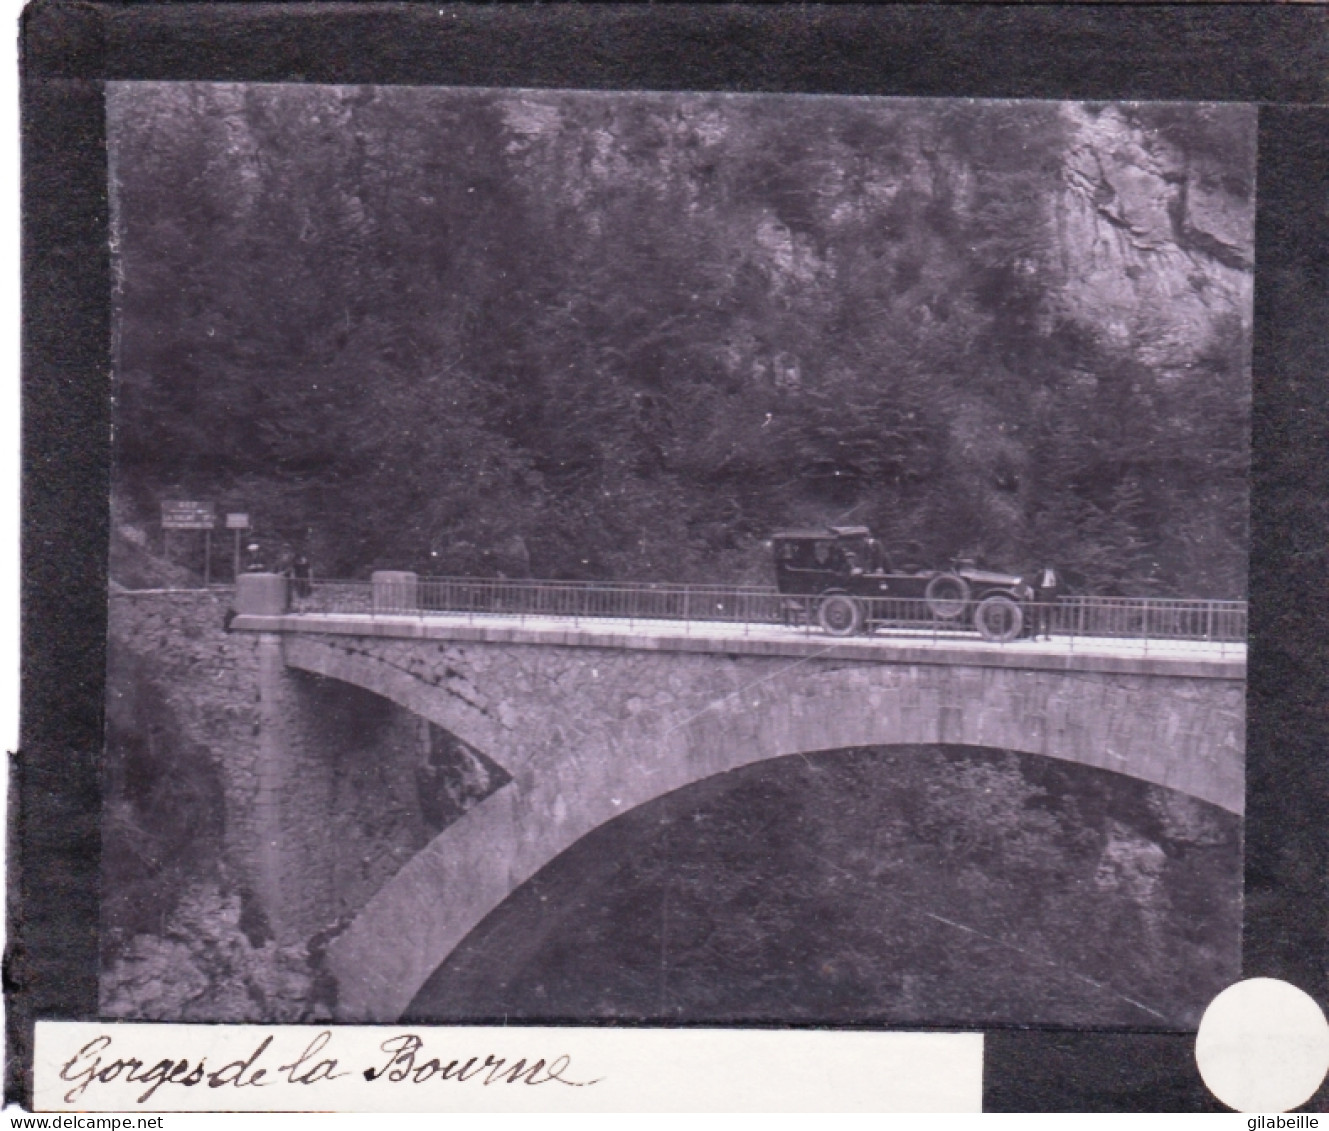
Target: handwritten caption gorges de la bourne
(402, 1059)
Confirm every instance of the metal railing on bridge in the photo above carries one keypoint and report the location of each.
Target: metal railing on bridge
(1217, 625)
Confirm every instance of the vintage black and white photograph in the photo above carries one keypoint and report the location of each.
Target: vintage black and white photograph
(681, 558)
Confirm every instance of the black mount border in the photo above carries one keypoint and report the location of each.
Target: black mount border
(1275, 55)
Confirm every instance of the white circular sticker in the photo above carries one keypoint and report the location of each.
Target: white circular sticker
(1263, 1045)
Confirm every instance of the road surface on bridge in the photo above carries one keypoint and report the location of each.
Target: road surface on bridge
(1224, 659)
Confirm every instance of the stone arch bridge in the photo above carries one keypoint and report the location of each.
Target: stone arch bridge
(590, 724)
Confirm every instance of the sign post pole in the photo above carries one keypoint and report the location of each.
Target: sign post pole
(181, 515)
(237, 522)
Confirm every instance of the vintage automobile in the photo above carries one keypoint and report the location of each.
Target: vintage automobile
(842, 577)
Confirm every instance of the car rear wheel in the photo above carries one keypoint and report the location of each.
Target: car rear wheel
(998, 619)
(840, 615)
(947, 596)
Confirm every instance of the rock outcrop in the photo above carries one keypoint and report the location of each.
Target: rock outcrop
(1156, 253)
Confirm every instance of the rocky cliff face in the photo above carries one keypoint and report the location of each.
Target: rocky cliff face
(1156, 249)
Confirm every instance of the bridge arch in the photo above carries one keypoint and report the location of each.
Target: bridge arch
(967, 849)
(443, 698)
(726, 712)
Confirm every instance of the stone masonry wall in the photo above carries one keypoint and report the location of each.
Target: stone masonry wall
(537, 706)
(209, 678)
(345, 808)
(348, 814)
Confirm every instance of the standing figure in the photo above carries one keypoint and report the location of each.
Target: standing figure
(1045, 593)
(301, 574)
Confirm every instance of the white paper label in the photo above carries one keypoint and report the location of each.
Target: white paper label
(88, 1066)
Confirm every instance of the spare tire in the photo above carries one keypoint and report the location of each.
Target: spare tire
(840, 615)
(998, 618)
(947, 596)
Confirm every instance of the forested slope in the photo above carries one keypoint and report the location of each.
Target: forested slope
(627, 336)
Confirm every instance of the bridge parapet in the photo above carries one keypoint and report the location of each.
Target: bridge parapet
(1157, 620)
(1199, 660)
(261, 594)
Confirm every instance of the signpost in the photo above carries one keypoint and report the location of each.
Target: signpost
(237, 521)
(191, 515)
(188, 516)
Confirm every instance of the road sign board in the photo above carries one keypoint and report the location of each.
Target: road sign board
(182, 515)
(237, 521)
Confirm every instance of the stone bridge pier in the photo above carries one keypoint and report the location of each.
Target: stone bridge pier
(588, 727)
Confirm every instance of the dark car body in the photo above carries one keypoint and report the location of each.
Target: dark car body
(873, 587)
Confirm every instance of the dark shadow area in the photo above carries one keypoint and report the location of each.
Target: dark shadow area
(452, 776)
(165, 808)
(902, 885)
(1041, 1071)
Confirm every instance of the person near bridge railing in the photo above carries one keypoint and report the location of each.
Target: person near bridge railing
(1045, 594)
(301, 576)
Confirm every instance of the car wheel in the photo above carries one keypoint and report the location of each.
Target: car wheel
(947, 596)
(998, 619)
(840, 615)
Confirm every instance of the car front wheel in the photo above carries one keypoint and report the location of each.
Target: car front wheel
(840, 615)
(998, 619)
